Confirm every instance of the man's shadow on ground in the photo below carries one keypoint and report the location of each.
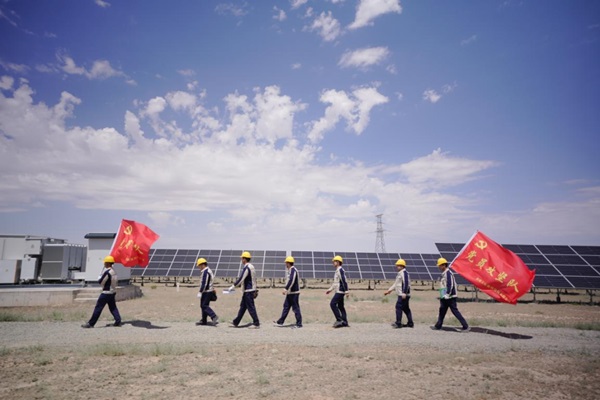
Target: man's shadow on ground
(488, 331)
(143, 324)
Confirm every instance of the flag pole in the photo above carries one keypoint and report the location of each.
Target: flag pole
(463, 248)
(116, 235)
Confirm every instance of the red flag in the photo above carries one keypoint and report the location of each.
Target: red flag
(497, 271)
(132, 245)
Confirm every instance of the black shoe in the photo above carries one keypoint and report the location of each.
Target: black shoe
(467, 329)
(118, 324)
(277, 323)
(338, 324)
(201, 323)
(396, 326)
(408, 326)
(436, 328)
(215, 320)
(86, 326)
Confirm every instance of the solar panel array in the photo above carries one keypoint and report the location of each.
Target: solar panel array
(563, 267)
(271, 264)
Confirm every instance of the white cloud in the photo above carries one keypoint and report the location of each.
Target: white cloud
(8, 66)
(6, 82)
(297, 3)
(576, 219)
(161, 219)
(354, 108)
(468, 41)
(248, 173)
(101, 69)
(296, 66)
(237, 10)
(326, 26)
(279, 14)
(449, 88)
(102, 3)
(7, 18)
(431, 96)
(180, 100)
(186, 72)
(363, 58)
(368, 10)
(440, 169)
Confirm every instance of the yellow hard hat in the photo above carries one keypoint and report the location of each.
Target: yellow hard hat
(441, 261)
(289, 259)
(246, 254)
(338, 258)
(401, 262)
(109, 259)
(200, 261)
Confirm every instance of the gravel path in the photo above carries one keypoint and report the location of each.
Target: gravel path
(70, 334)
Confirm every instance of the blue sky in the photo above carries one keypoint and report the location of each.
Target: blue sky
(291, 124)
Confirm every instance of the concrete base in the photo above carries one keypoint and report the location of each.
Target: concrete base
(31, 296)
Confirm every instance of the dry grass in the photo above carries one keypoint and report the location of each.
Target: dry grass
(175, 370)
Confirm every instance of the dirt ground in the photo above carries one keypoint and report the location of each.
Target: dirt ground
(532, 350)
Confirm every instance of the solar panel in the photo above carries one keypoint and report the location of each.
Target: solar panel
(592, 260)
(555, 249)
(587, 250)
(304, 263)
(584, 282)
(274, 264)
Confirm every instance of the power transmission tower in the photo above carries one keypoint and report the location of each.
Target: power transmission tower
(379, 242)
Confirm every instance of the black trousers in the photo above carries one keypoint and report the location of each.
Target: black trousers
(205, 300)
(451, 304)
(337, 306)
(291, 301)
(402, 305)
(103, 300)
(247, 303)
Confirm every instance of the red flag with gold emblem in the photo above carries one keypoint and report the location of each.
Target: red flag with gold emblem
(132, 245)
(496, 271)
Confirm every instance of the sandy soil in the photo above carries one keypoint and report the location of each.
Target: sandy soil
(531, 350)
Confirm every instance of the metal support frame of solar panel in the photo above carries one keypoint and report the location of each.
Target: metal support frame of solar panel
(557, 267)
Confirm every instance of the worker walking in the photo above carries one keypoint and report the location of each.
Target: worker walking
(448, 296)
(340, 285)
(291, 293)
(206, 293)
(402, 287)
(108, 281)
(247, 280)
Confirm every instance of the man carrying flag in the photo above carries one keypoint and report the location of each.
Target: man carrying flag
(448, 297)
(132, 245)
(493, 269)
(108, 281)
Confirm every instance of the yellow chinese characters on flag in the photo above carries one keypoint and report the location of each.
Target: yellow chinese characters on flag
(132, 244)
(496, 271)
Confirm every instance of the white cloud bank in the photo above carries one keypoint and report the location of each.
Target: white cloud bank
(363, 58)
(368, 10)
(326, 26)
(250, 173)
